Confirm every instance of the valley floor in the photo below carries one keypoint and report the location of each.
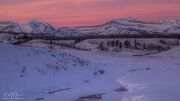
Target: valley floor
(88, 75)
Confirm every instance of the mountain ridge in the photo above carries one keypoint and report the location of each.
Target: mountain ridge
(116, 26)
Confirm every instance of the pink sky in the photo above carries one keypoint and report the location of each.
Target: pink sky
(87, 12)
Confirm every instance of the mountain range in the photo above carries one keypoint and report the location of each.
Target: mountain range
(116, 26)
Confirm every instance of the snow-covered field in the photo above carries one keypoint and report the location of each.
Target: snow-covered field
(39, 74)
(47, 43)
(7, 38)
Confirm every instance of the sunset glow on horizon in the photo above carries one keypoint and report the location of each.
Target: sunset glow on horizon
(62, 13)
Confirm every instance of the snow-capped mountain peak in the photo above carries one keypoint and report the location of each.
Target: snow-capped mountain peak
(9, 27)
(126, 20)
(168, 22)
(37, 26)
(117, 26)
(128, 26)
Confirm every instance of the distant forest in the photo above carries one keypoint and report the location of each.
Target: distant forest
(46, 36)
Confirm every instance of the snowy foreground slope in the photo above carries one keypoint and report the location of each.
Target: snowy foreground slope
(68, 75)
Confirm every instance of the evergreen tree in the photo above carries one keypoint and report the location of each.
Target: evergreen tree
(25, 36)
(135, 43)
(101, 46)
(15, 37)
(9, 39)
(51, 42)
(144, 46)
(112, 43)
(117, 43)
(127, 44)
(108, 43)
(177, 42)
(120, 45)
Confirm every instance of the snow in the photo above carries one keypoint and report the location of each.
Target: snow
(35, 72)
(37, 26)
(30, 70)
(10, 26)
(48, 71)
(34, 26)
(46, 43)
(156, 85)
(126, 26)
(7, 38)
(116, 26)
(173, 53)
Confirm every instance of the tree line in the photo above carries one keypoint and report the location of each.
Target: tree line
(135, 44)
